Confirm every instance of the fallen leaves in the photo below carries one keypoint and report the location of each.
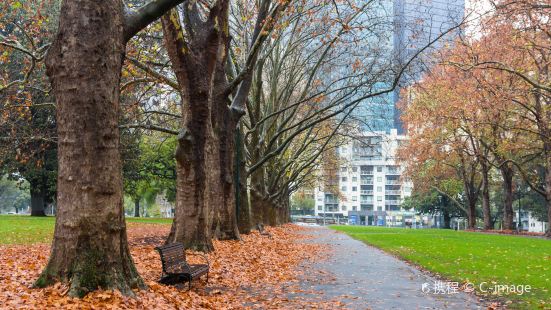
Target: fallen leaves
(255, 273)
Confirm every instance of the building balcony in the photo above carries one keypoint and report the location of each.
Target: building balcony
(366, 173)
(364, 182)
(393, 192)
(364, 192)
(392, 182)
(392, 202)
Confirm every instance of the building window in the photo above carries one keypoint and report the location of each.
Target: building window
(343, 169)
(354, 198)
(354, 179)
(354, 188)
(379, 179)
(379, 198)
(320, 208)
(380, 169)
(379, 189)
(344, 179)
(320, 198)
(343, 208)
(343, 188)
(354, 208)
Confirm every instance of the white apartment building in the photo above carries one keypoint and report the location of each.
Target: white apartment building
(370, 183)
(529, 222)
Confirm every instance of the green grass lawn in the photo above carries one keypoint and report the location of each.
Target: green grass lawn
(24, 229)
(471, 257)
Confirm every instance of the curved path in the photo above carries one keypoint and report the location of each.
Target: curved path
(364, 277)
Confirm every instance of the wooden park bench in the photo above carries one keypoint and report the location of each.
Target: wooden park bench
(260, 228)
(175, 267)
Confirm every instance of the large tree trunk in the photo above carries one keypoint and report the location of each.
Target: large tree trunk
(471, 215)
(447, 219)
(225, 128)
(38, 201)
(282, 209)
(257, 208)
(241, 192)
(196, 189)
(90, 248)
(137, 208)
(269, 212)
(486, 212)
(205, 203)
(507, 174)
(471, 194)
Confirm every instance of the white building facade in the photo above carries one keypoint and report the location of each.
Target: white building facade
(370, 184)
(530, 223)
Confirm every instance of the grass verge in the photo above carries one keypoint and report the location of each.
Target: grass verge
(477, 258)
(24, 229)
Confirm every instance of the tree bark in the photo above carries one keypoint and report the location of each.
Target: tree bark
(38, 201)
(486, 212)
(257, 205)
(225, 124)
(471, 193)
(447, 219)
(270, 213)
(507, 175)
(471, 215)
(242, 195)
(137, 208)
(90, 248)
(205, 202)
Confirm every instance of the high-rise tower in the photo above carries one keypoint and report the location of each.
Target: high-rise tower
(417, 24)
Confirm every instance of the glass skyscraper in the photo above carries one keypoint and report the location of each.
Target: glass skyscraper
(418, 23)
(412, 25)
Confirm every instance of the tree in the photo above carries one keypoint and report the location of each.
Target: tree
(286, 129)
(302, 201)
(12, 197)
(90, 248)
(515, 44)
(435, 203)
(198, 48)
(440, 146)
(27, 130)
(308, 83)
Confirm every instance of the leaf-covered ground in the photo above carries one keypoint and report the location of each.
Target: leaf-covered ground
(257, 273)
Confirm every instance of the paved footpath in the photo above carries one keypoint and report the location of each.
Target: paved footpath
(364, 277)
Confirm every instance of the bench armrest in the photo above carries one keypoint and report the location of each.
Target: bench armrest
(203, 256)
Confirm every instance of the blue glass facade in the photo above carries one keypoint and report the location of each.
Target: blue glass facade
(418, 23)
(414, 24)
